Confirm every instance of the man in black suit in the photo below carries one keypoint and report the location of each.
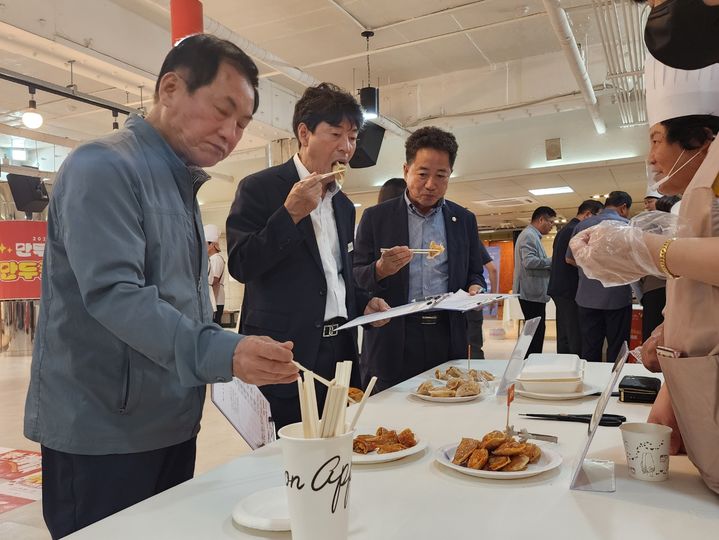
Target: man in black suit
(409, 345)
(563, 282)
(290, 240)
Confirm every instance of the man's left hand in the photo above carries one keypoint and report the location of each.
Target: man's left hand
(375, 305)
(474, 289)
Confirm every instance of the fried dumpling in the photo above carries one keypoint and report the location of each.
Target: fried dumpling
(468, 388)
(533, 452)
(478, 458)
(496, 463)
(363, 446)
(442, 392)
(510, 448)
(517, 463)
(464, 450)
(493, 439)
(406, 438)
(424, 388)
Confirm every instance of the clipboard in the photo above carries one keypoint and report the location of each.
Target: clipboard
(246, 409)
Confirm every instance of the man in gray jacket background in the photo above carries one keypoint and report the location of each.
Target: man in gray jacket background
(125, 341)
(532, 269)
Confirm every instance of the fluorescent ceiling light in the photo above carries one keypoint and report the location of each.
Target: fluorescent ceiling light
(551, 190)
(357, 205)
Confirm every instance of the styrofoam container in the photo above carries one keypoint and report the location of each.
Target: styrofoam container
(552, 373)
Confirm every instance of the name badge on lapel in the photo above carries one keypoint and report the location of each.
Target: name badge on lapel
(350, 247)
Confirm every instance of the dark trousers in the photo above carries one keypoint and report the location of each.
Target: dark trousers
(653, 303)
(597, 324)
(530, 311)
(286, 410)
(426, 345)
(475, 319)
(217, 316)
(569, 336)
(78, 490)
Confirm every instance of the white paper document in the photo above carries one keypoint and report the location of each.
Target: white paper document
(247, 410)
(458, 301)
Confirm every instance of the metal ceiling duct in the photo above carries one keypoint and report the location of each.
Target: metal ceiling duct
(621, 27)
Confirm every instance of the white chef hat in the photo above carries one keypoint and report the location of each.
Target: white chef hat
(672, 93)
(212, 234)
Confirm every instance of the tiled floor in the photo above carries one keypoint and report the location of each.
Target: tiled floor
(217, 442)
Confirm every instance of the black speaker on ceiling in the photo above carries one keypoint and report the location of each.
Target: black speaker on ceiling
(369, 142)
(28, 192)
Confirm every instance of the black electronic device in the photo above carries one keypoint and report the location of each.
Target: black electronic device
(369, 142)
(28, 192)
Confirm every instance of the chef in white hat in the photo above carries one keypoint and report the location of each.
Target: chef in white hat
(215, 271)
(683, 109)
(650, 199)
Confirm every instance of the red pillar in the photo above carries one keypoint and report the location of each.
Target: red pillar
(186, 18)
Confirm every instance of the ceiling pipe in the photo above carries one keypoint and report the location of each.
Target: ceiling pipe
(36, 136)
(560, 24)
(260, 54)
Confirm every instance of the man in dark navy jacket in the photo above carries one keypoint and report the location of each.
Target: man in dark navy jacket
(563, 282)
(409, 345)
(290, 240)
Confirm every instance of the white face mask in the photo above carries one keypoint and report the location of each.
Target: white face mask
(672, 172)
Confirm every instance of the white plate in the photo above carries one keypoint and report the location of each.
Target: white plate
(550, 459)
(264, 510)
(374, 457)
(445, 399)
(587, 390)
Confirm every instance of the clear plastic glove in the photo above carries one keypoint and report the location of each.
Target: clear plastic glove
(614, 253)
(656, 222)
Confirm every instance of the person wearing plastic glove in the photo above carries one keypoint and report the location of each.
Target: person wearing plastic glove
(684, 117)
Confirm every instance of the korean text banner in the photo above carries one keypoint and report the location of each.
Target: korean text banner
(22, 244)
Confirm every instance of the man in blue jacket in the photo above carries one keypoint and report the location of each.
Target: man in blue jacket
(125, 341)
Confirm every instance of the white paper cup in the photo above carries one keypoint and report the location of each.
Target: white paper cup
(317, 475)
(647, 449)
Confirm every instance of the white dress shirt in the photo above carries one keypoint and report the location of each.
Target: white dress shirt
(325, 227)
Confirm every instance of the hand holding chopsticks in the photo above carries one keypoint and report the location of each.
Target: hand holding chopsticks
(434, 250)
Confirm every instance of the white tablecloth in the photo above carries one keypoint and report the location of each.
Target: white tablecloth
(418, 499)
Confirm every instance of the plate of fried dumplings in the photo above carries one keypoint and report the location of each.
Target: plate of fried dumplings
(453, 386)
(498, 456)
(385, 445)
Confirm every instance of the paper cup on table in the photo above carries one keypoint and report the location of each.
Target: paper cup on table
(647, 449)
(317, 475)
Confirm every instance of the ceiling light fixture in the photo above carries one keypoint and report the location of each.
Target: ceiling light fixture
(551, 191)
(31, 118)
(369, 95)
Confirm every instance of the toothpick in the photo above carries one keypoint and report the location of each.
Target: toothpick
(303, 408)
(321, 379)
(367, 392)
(312, 405)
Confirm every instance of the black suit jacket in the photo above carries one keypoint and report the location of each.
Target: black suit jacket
(385, 226)
(279, 263)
